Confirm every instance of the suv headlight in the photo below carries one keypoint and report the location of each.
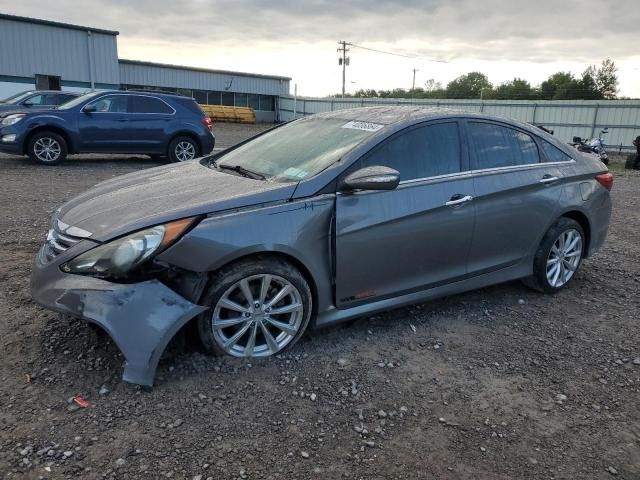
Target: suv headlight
(120, 256)
(11, 119)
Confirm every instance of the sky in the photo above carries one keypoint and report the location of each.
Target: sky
(501, 38)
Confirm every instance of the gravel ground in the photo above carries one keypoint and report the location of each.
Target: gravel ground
(500, 383)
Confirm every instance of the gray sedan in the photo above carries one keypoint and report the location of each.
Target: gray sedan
(318, 221)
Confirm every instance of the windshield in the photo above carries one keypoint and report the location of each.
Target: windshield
(300, 149)
(77, 100)
(13, 99)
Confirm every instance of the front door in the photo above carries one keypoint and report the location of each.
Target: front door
(416, 236)
(107, 128)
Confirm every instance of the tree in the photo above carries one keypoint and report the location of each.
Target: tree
(516, 89)
(606, 79)
(471, 85)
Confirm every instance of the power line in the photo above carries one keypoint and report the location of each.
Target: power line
(396, 54)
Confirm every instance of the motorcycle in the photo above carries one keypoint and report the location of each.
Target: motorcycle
(593, 146)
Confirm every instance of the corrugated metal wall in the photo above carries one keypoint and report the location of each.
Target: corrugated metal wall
(567, 118)
(27, 49)
(132, 73)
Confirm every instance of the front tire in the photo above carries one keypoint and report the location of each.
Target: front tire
(259, 307)
(558, 257)
(47, 148)
(183, 149)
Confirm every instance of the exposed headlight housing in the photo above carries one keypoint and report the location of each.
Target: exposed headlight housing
(120, 256)
(13, 118)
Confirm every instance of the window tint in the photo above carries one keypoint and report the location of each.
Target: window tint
(553, 153)
(498, 146)
(190, 105)
(111, 104)
(421, 152)
(63, 99)
(140, 104)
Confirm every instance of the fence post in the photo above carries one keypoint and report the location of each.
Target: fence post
(481, 106)
(535, 108)
(332, 104)
(304, 107)
(595, 118)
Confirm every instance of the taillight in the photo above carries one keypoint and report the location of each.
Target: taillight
(606, 180)
(208, 122)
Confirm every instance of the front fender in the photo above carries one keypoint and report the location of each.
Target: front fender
(300, 229)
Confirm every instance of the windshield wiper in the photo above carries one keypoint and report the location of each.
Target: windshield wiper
(241, 170)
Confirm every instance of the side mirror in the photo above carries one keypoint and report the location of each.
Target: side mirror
(371, 178)
(577, 139)
(605, 130)
(27, 103)
(89, 109)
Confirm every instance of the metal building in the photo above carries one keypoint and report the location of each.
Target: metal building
(50, 55)
(39, 54)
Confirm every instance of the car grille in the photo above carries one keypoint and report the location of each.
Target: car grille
(57, 243)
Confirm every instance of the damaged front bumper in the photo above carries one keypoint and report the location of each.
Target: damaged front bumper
(141, 318)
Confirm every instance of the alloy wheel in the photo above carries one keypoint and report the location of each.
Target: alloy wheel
(564, 258)
(185, 151)
(257, 316)
(47, 149)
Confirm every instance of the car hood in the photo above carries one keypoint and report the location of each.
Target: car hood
(158, 195)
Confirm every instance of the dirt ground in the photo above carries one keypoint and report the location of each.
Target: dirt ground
(500, 383)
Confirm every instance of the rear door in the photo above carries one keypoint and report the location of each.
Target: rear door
(516, 194)
(107, 128)
(411, 238)
(148, 119)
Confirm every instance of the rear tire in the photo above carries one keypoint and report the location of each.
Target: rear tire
(558, 257)
(47, 148)
(244, 298)
(183, 149)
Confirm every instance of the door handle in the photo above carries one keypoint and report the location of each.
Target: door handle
(548, 179)
(458, 199)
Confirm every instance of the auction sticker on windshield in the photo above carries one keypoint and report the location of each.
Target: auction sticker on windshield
(366, 126)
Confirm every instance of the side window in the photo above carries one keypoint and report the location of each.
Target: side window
(142, 104)
(497, 146)
(553, 153)
(111, 104)
(60, 99)
(426, 151)
(36, 100)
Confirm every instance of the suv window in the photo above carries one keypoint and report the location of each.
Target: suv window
(497, 146)
(37, 100)
(190, 104)
(143, 104)
(553, 153)
(111, 104)
(62, 98)
(425, 151)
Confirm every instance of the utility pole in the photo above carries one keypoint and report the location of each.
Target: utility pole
(413, 86)
(344, 61)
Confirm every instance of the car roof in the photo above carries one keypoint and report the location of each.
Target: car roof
(399, 115)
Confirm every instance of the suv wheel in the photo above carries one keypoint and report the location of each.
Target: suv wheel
(182, 149)
(258, 308)
(558, 257)
(47, 148)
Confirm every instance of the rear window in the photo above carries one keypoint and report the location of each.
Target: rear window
(497, 146)
(144, 104)
(190, 105)
(553, 153)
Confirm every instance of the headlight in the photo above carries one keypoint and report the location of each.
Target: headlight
(11, 119)
(124, 254)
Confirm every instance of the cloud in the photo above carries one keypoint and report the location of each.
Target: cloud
(492, 29)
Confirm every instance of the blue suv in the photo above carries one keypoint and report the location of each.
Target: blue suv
(155, 124)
